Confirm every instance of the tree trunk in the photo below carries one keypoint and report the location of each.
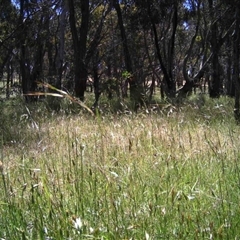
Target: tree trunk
(79, 46)
(9, 72)
(80, 79)
(127, 58)
(216, 41)
(60, 53)
(24, 71)
(214, 88)
(23, 53)
(230, 84)
(167, 66)
(236, 58)
(229, 65)
(188, 86)
(171, 51)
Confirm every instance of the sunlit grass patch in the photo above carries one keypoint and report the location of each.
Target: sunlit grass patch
(138, 176)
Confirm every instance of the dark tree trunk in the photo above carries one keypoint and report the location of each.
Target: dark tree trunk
(82, 74)
(31, 59)
(4, 61)
(127, 58)
(236, 58)
(167, 66)
(189, 84)
(8, 80)
(215, 84)
(217, 38)
(135, 88)
(229, 84)
(171, 51)
(97, 91)
(152, 88)
(51, 46)
(60, 52)
(25, 73)
(79, 46)
(80, 79)
(229, 62)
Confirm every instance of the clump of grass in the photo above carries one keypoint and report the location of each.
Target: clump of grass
(19, 122)
(124, 177)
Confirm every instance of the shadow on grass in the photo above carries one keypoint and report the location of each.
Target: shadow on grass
(21, 121)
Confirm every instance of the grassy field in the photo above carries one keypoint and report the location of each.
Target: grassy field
(173, 174)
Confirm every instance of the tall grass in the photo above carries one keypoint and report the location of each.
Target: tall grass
(172, 175)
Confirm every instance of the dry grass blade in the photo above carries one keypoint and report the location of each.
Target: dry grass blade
(47, 85)
(44, 94)
(61, 94)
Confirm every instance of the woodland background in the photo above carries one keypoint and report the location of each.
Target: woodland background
(112, 47)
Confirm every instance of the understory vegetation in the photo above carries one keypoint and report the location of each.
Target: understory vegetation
(167, 172)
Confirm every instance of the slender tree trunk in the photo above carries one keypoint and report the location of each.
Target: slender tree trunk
(80, 79)
(189, 84)
(23, 53)
(236, 58)
(24, 71)
(171, 52)
(230, 84)
(8, 80)
(51, 46)
(60, 53)
(169, 84)
(97, 91)
(128, 62)
(82, 74)
(214, 88)
(79, 46)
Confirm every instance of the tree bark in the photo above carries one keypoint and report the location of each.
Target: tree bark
(216, 41)
(167, 66)
(60, 53)
(188, 86)
(79, 46)
(23, 67)
(134, 91)
(214, 88)
(236, 58)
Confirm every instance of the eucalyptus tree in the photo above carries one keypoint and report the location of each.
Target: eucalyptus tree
(27, 39)
(8, 17)
(221, 25)
(128, 38)
(163, 18)
(195, 52)
(105, 57)
(55, 42)
(212, 24)
(35, 40)
(84, 45)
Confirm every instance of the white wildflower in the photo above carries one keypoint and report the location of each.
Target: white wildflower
(114, 174)
(77, 223)
(147, 236)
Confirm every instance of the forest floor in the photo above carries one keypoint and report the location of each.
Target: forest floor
(169, 174)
